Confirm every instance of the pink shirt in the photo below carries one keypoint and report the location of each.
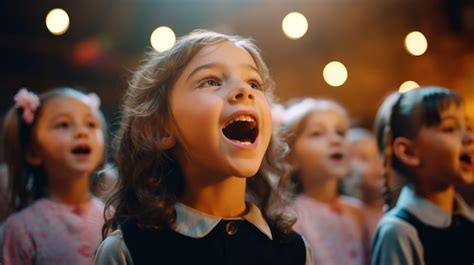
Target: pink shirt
(49, 232)
(334, 235)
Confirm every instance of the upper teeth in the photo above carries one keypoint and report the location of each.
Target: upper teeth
(247, 118)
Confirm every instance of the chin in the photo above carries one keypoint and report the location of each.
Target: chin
(244, 172)
(467, 178)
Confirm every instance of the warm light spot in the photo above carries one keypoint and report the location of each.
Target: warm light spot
(416, 43)
(57, 21)
(294, 25)
(335, 74)
(407, 86)
(162, 39)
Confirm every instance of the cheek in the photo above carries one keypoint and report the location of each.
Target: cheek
(99, 136)
(308, 152)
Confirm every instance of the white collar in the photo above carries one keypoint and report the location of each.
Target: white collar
(193, 223)
(429, 213)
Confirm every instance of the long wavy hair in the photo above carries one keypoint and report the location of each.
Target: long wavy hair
(28, 183)
(150, 179)
(413, 110)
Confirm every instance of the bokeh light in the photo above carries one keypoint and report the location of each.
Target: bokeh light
(162, 39)
(407, 86)
(57, 21)
(416, 43)
(335, 74)
(294, 25)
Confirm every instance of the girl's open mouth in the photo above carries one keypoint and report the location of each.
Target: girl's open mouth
(242, 129)
(81, 150)
(337, 156)
(466, 161)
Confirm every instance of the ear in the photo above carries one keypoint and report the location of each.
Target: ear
(33, 158)
(167, 140)
(403, 149)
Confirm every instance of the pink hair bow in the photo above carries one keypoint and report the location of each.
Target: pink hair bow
(28, 102)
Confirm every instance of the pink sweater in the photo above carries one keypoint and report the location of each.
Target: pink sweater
(335, 235)
(49, 232)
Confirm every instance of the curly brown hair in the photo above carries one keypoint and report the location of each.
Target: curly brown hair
(150, 179)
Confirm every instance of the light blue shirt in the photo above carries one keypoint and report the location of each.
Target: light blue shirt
(396, 241)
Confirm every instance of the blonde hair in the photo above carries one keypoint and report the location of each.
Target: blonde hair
(295, 120)
(150, 178)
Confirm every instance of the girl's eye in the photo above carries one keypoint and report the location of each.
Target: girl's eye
(341, 133)
(316, 133)
(210, 82)
(92, 125)
(449, 129)
(256, 85)
(62, 125)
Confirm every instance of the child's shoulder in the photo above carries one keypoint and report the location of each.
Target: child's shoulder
(26, 216)
(395, 227)
(31, 210)
(113, 250)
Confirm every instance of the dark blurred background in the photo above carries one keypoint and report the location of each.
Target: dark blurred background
(107, 39)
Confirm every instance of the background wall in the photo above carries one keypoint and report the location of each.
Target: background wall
(106, 41)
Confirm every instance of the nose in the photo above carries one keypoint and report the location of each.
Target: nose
(467, 138)
(81, 132)
(336, 138)
(241, 93)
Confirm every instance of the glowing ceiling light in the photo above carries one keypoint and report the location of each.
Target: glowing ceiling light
(294, 25)
(335, 74)
(162, 39)
(57, 21)
(416, 43)
(407, 86)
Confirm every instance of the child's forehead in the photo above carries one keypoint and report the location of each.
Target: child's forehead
(223, 51)
(452, 109)
(68, 104)
(318, 116)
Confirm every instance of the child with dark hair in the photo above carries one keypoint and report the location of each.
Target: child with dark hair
(53, 143)
(393, 181)
(428, 142)
(196, 158)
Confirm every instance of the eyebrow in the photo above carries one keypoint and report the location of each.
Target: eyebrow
(219, 65)
(451, 117)
(447, 117)
(69, 116)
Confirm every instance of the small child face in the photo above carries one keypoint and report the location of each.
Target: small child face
(446, 151)
(320, 151)
(366, 161)
(222, 120)
(69, 139)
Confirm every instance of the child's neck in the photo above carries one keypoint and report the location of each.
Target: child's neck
(325, 191)
(372, 201)
(72, 190)
(224, 199)
(444, 199)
